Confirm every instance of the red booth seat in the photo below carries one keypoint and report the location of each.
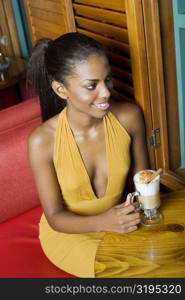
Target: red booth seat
(20, 210)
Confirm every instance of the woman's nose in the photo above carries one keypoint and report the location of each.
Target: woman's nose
(104, 91)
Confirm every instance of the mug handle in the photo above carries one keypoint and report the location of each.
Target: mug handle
(135, 203)
(133, 195)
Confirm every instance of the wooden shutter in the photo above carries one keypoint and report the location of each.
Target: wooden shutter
(49, 18)
(151, 89)
(106, 21)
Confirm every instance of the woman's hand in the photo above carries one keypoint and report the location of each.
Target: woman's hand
(122, 218)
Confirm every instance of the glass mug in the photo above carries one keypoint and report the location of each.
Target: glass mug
(148, 199)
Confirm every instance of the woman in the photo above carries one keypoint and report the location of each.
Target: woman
(80, 155)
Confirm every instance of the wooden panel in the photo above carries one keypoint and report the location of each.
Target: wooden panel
(48, 18)
(50, 27)
(44, 33)
(99, 14)
(148, 73)
(110, 4)
(138, 54)
(47, 5)
(52, 17)
(170, 80)
(102, 28)
(112, 45)
(156, 80)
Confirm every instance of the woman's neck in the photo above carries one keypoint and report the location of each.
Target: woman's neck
(83, 124)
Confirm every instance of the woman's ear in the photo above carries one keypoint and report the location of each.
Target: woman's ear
(60, 89)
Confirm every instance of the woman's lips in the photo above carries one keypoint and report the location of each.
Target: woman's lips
(102, 106)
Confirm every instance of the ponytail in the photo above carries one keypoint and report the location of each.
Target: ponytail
(38, 78)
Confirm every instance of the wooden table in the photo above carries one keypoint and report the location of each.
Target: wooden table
(14, 73)
(159, 251)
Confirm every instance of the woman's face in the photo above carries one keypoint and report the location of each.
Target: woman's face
(88, 89)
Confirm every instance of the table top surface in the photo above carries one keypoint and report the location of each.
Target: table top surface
(14, 73)
(158, 251)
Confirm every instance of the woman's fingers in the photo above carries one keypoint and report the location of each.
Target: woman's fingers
(122, 218)
(126, 210)
(128, 199)
(120, 205)
(133, 223)
(132, 228)
(130, 220)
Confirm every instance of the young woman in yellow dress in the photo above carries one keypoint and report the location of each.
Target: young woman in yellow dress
(81, 155)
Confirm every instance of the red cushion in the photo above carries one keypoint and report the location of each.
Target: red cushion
(18, 192)
(19, 113)
(20, 252)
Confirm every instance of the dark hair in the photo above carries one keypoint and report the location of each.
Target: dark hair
(55, 60)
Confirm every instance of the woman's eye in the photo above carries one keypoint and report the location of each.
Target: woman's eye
(108, 80)
(91, 86)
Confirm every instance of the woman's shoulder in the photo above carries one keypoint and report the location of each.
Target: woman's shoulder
(42, 137)
(129, 114)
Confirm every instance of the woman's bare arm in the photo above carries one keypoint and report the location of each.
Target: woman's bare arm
(131, 117)
(139, 146)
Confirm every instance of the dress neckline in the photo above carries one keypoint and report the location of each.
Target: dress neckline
(82, 164)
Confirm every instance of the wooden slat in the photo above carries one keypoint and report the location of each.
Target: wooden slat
(99, 14)
(54, 28)
(69, 16)
(28, 15)
(121, 96)
(47, 5)
(123, 86)
(110, 4)
(54, 18)
(112, 45)
(119, 60)
(102, 28)
(124, 75)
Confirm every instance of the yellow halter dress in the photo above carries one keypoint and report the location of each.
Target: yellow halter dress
(76, 253)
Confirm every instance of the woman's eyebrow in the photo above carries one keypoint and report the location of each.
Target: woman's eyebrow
(96, 80)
